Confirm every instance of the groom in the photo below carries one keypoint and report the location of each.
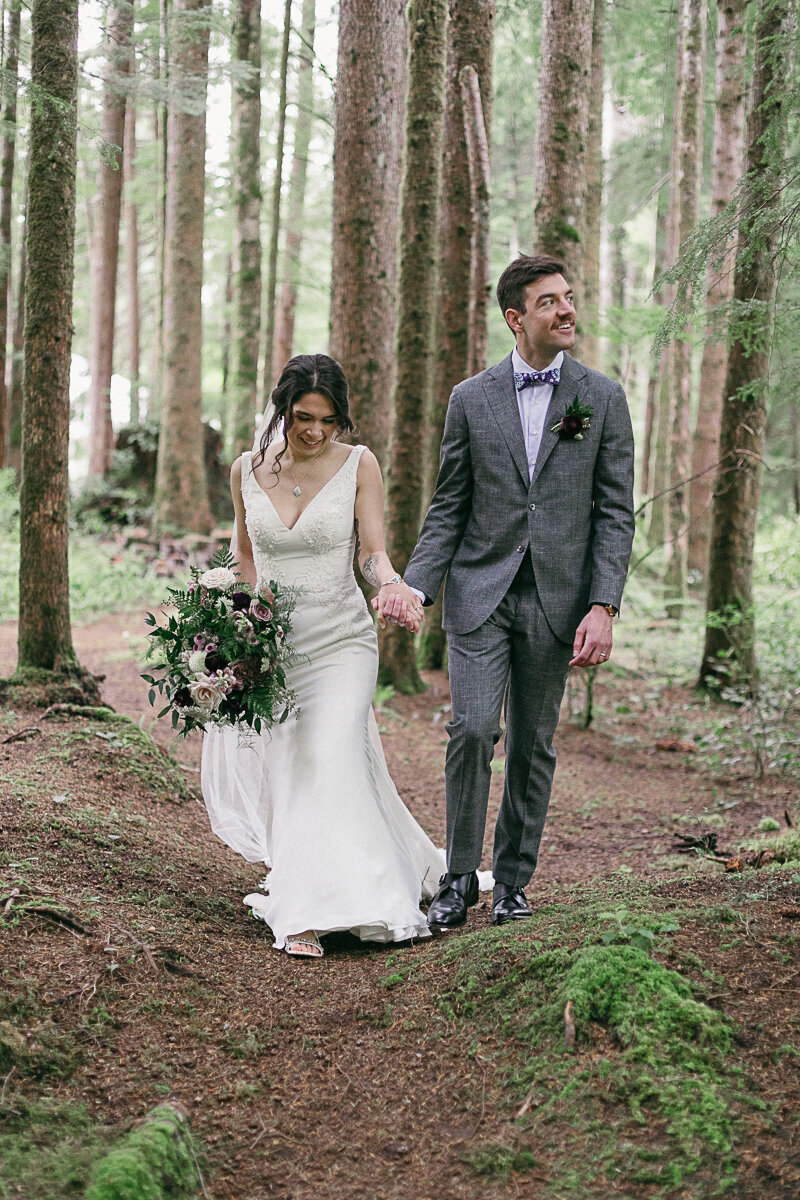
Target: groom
(532, 523)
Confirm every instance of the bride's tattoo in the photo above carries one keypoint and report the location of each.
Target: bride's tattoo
(369, 569)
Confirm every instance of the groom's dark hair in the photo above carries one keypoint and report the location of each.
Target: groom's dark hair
(522, 271)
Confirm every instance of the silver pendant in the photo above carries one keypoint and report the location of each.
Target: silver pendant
(296, 491)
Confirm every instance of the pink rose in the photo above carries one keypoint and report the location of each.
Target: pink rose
(261, 611)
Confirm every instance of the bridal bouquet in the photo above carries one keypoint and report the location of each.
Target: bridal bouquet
(220, 658)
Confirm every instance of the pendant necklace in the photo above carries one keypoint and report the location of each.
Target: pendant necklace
(297, 490)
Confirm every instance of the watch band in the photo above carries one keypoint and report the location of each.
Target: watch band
(394, 579)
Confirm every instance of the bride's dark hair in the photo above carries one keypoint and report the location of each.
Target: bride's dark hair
(303, 374)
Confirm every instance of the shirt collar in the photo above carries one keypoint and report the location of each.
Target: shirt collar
(519, 364)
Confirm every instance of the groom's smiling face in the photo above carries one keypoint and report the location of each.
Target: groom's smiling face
(548, 323)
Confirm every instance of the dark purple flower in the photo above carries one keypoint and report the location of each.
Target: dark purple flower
(240, 601)
(215, 661)
(571, 426)
(182, 697)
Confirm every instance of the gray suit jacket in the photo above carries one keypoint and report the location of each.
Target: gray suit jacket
(576, 516)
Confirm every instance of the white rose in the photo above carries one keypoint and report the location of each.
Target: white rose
(218, 578)
(197, 662)
(206, 694)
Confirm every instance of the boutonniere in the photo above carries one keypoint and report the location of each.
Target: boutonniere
(573, 422)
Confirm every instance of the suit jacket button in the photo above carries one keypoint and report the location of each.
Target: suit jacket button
(520, 549)
(532, 507)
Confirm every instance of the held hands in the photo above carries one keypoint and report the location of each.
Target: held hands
(592, 643)
(396, 604)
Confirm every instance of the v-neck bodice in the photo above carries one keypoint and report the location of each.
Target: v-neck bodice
(316, 553)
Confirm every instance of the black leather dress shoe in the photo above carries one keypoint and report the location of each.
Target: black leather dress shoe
(509, 904)
(449, 906)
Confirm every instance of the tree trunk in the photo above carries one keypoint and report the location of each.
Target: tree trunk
(45, 636)
(226, 347)
(284, 324)
(726, 168)
(479, 185)
(729, 654)
(132, 258)
(658, 529)
(370, 85)
(565, 77)
(275, 231)
(590, 345)
(15, 391)
(162, 67)
(617, 239)
(470, 39)
(106, 238)
(245, 154)
(181, 494)
(419, 249)
(655, 361)
(691, 161)
(8, 124)
(794, 419)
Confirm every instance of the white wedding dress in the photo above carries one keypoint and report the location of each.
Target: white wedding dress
(312, 798)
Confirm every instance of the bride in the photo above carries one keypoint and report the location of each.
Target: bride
(312, 798)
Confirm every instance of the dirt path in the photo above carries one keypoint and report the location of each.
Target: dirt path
(342, 1079)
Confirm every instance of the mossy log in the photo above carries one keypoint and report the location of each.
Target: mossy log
(154, 1161)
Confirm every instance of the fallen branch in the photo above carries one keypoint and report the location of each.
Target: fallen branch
(98, 712)
(569, 1027)
(526, 1104)
(143, 946)
(21, 734)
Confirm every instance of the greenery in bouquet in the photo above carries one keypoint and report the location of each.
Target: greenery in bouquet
(220, 658)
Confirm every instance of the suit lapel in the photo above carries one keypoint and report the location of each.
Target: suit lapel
(502, 397)
(571, 384)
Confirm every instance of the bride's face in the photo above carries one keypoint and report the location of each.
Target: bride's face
(312, 426)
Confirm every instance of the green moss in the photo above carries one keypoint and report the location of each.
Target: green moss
(665, 1061)
(47, 1150)
(499, 1160)
(152, 1162)
(130, 749)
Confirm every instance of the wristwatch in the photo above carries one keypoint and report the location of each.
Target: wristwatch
(610, 609)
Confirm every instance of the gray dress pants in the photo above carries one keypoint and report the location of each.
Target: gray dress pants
(516, 657)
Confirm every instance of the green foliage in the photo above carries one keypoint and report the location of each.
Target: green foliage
(663, 1056)
(154, 1162)
(47, 1149)
(640, 936)
(97, 585)
(499, 1160)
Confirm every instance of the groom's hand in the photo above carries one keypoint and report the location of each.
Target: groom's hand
(592, 643)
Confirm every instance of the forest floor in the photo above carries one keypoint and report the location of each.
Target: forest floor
(132, 973)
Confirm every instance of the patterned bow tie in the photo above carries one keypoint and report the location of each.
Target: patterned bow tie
(523, 379)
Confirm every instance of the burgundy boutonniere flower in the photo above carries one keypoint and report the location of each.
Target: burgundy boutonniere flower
(574, 421)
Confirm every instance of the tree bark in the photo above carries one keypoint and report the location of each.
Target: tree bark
(106, 237)
(479, 184)
(726, 168)
(246, 317)
(45, 635)
(656, 362)
(181, 494)
(162, 68)
(658, 529)
(8, 123)
(470, 41)
(370, 86)
(691, 161)
(284, 324)
(272, 260)
(132, 258)
(15, 391)
(590, 344)
(729, 655)
(565, 75)
(419, 250)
